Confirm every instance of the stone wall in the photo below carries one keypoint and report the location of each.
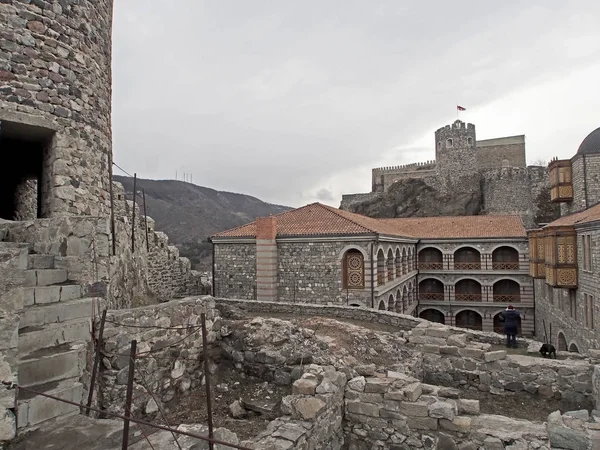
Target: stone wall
(235, 270)
(351, 199)
(169, 349)
(513, 190)
(451, 360)
(400, 412)
(312, 271)
(26, 200)
(13, 263)
(313, 413)
(55, 70)
(501, 152)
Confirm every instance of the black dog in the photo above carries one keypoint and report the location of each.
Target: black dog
(548, 349)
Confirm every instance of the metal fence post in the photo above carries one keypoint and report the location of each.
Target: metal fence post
(207, 379)
(129, 394)
(96, 362)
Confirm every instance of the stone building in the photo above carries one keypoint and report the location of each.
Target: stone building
(453, 270)
(565, 253)
(67, 246)
(492, 170)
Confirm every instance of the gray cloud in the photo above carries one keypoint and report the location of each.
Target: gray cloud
(324, 195)
(276, 99)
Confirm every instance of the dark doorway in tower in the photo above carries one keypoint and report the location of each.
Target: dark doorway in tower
(469, 319)
(433, 315)
(499, 325)
(25, 170)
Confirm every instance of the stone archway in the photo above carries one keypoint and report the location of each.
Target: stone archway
(562, 342)
(573, 348)
(391, 303)
(382, 305)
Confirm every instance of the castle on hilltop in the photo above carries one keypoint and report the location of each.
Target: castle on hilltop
(494, 170)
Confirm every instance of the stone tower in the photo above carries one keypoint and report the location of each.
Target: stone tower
(455, 152)
(55, 108)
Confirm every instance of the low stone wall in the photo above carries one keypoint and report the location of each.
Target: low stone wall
(402, 321)
(399, 412)
(313, 414)
(169, 349)
(574, 430)
(457, 361)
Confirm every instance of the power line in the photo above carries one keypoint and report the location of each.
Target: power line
(121, 169)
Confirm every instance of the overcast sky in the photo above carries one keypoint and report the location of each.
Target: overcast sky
(295, 101)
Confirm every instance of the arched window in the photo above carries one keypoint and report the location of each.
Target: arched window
(404, 262)
(391, 303)
(467, 258)
(399, 305)
(469, 319)
(469, 141)
(433, 315)
(507, 291)
(431, 289)
(354, 270)
(398, 263)
(390, 265)
(380, 268)
(573, 348)
(449, 143)
(505, 258)
(431, 259)
(381, 305)
(467, 291)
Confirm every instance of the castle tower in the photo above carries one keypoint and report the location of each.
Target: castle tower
(55, 108)
(455, 152)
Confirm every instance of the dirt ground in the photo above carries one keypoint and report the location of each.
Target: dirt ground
(228, 385)
(520, 405)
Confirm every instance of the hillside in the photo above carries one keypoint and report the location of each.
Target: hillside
(189, 214)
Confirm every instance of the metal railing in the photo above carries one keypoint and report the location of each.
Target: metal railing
(505, 265)
(473, 265)
(507, 298)
(467, 297)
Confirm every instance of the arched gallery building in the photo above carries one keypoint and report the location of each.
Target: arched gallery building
(460, 271)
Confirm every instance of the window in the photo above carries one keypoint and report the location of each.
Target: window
(470, 141)
(588, 310)
(354, 270)
(550, 294)
(449, 143)
(573, 303)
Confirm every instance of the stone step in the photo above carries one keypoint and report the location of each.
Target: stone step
(45, 277)
(41, 295)
(54, 334)
(52, 364)
(35, 409)
(44, 314)
(40, 262)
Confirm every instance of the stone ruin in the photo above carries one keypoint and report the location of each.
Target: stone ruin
(334, 377)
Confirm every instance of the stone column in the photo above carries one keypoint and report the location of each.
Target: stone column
(266, 259)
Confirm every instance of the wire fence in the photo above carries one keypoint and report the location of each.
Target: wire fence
(137, 372)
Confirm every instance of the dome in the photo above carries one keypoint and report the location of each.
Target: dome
(591, 144)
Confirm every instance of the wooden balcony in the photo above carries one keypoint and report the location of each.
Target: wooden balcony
(475, 265)
(501, 265)
(431, 265)
(467, 297)
(507, 298)
(431, 296)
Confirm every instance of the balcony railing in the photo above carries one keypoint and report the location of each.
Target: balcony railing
(436, 296)
(497, 265)
(507, 298)
(390, 275)
(467, 297)
(467, 265)
(431, 265)
(381, 279)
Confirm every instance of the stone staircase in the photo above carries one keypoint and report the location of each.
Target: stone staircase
(54, 333)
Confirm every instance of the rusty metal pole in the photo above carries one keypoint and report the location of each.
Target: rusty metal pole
(96, 362)
(146, 220)
(129, 394)
(133, 219)
(112, 207)
(207, 380)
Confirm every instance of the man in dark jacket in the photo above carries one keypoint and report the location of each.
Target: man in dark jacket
(510, 317)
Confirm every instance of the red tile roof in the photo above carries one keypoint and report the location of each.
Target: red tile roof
(317, 219)
(589, 215)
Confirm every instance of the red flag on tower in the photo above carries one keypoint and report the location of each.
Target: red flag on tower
(460, 108)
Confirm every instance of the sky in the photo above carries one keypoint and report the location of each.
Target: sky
(296, 101)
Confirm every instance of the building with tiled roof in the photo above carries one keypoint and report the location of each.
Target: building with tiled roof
(456, 270)
(565, 254)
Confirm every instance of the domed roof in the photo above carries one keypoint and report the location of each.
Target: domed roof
(591, 144)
